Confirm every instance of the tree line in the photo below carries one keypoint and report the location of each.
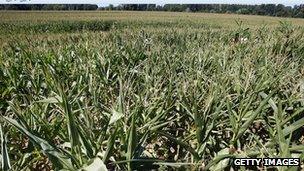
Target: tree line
(48, 7)
(278, 10)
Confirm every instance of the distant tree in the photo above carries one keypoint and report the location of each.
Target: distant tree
(263, 9)
(151, 7)
(259, 10)
(111, 7)
(270, 9)
(243, 11)
(142, 7)
(188, 9)
(10, 7)
(281, 11)
(159, 8)
(48, 7)
(37, 7)
(131, 7)
(299, 11)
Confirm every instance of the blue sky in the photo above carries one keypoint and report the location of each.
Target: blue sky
(106, 2)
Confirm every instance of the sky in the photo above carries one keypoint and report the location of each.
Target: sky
(116, 2)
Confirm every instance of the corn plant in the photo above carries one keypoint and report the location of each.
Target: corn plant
(131, 95)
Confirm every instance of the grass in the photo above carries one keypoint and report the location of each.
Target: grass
(165, 91)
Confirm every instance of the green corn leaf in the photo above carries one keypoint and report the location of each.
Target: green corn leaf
(292, 127)
(115, 117)
(177, 164)
(96, 165)
(131, 142)
(72, 127)
(296, 113)
(183, 144)
(110, 146)
(250, 120)
(6, 164)
(271, 102)
(51, 100)
(86, 143)
(61, 160)
(284, 146)
(219, 162)
(218, 159)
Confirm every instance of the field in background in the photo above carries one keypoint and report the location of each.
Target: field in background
(220, 20)
(149, 90)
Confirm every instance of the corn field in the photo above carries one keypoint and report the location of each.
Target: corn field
(149, 95)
